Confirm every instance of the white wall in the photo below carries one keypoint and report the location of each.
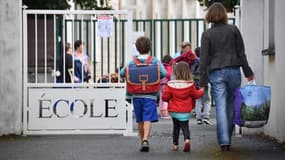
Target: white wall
(269, 70)
(251, 26)
(10, 67)
(147, 9)
(274, 67)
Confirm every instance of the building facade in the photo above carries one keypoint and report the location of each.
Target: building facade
(262, 25)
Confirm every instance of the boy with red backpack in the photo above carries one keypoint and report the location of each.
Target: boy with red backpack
(143, 75)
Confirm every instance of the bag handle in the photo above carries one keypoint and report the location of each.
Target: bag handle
(252, 82)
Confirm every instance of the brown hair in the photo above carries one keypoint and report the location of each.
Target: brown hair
(182, 71)
(67, 46)
(217, 13)
(185, 44)
(77, 44)
(166, 59)
(143, 45)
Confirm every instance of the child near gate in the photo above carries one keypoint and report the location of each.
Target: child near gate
(162, 104)
(145, 106)
(181, 94)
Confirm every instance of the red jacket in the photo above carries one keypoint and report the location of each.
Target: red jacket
(188, 57)
(181, 95)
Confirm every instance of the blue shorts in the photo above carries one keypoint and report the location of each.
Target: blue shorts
(145, 109)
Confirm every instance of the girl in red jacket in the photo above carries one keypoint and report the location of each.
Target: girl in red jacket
(180, 95)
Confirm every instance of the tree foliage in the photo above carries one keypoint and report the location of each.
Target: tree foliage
(229, 4)
(93, 5)
(62, 4)
(46, 4)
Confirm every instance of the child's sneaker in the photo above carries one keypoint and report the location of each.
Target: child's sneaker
(199, 121)
(144, 146)
(187, 146)
(174, 148)
(207, 121)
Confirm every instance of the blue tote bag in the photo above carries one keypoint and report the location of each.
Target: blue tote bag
(252, 105)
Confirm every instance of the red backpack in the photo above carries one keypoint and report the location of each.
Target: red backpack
(143, 77)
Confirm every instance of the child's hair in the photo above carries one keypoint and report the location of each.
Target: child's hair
(197, 51)
(182, 71)
(185, 44)
(143, 45)
(166, 59)
(77, 44)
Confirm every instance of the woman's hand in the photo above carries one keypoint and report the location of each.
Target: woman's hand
(250, 78)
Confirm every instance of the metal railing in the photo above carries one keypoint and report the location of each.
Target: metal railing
(46, 33)
(168, 34)
(107, 54)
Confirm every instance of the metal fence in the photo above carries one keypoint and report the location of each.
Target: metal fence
(108, 54)
(168, 34)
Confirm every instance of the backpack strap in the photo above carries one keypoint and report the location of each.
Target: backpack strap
(148, 60)
(138, 62)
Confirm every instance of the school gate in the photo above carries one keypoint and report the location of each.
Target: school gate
(74, 108)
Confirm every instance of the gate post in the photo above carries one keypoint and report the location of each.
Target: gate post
(128, 57)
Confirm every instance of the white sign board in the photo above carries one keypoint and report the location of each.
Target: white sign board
(104, 26)
(75, 109)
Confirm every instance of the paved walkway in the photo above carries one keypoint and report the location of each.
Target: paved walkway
(117, 147)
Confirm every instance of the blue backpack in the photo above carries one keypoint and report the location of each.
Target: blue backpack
(143, 77)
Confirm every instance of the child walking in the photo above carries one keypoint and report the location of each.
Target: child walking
(144, 103)
(162, 104)
(181, 94)
(203, 104)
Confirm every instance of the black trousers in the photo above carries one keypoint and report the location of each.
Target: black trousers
(184, 125)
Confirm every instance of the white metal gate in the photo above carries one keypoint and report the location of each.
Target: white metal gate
(96, 106)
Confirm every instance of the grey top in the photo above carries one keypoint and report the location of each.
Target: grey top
(222, 46)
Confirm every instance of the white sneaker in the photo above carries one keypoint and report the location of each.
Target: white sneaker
(207, 121)
(199, 121)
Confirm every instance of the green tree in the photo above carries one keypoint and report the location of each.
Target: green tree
(62, 4)
(46, 4)
(93, 5)
(229, 4)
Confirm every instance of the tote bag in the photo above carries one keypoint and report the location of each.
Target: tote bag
(252, 105)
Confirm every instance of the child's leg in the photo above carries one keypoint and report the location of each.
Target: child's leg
(141, 130)
(162, 104)
(146, 130)
(185, 129)
(176, 129)
(206, 104)
(146, 127)
(186, 132)
(206, 107)
(198, 110)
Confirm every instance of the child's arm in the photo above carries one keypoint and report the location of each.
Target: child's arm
(123, 72)
(166, 95)
(197, 93)
(162, 71)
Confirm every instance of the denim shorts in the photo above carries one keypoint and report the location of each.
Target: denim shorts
(145, 109)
